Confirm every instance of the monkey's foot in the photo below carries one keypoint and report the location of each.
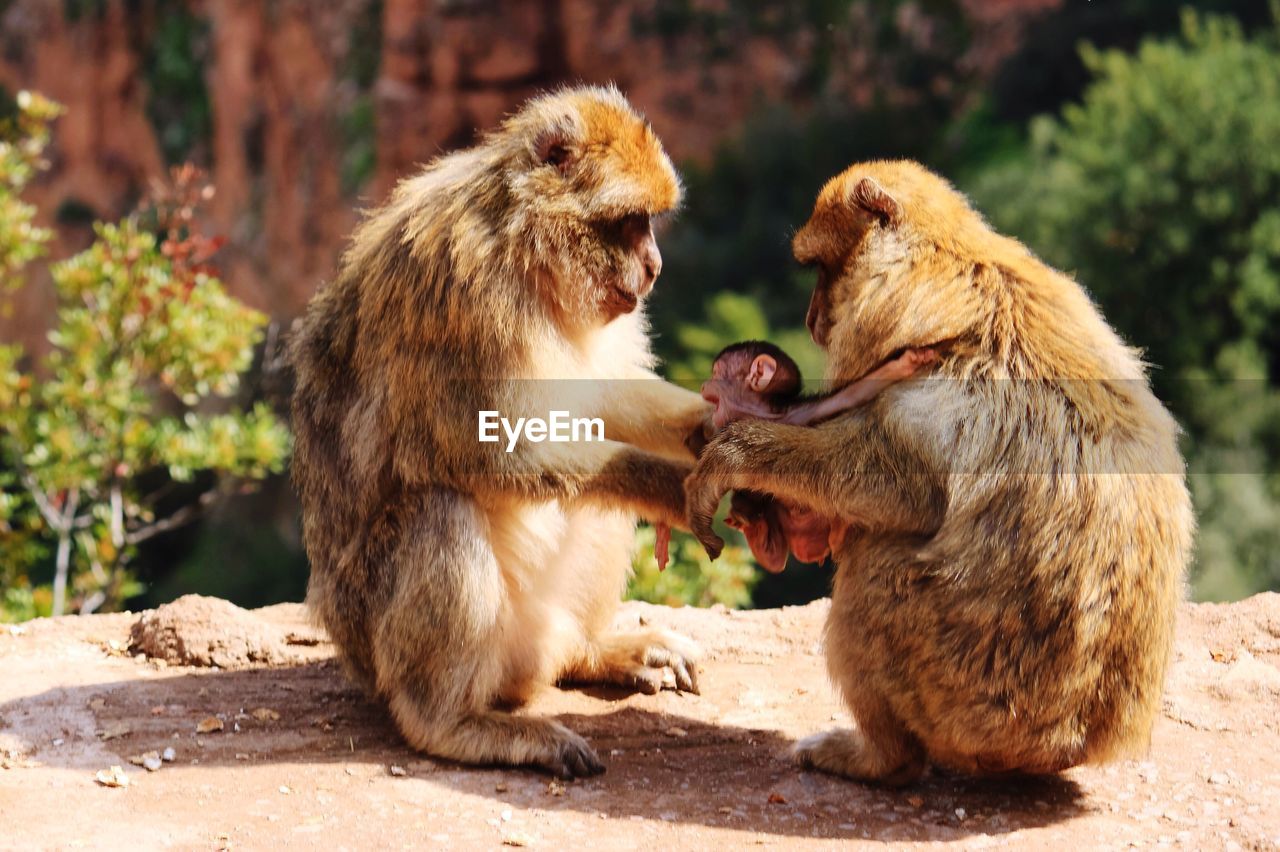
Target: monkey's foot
(640, 661)
(495, 737)
(849, 754)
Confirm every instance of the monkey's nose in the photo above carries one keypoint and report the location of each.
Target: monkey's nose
(652, 266)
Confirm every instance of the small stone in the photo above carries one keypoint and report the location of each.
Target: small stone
(112, 777)
(240, 755)
(960, 813)
(915, 801)
(58, 741)
(398, 771)
(517, 838)
(114, 731)
(168, 755)
(209, 725)
(676, 732)
(555, 787)
(506, 815)
(1219, 778)
(285, 790)
(777, 799)
(725, 809)
(266, 714)
(501, 787)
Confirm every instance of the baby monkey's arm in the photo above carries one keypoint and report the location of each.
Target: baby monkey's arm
(856, 393)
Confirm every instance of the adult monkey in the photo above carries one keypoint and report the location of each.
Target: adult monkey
(1006, 601)
(455, 577)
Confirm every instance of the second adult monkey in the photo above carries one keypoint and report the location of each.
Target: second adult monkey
(456, 577)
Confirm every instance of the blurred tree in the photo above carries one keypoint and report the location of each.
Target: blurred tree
(734, 233)
(1162, 190)
(144, 335)
(1048, 71)
(24, 133)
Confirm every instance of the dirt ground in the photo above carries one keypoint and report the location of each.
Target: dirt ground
(303, 760)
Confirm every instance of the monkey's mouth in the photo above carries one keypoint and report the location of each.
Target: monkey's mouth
(619, 300)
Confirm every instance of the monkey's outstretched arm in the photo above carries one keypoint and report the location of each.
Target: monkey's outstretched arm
(655, 415)
(606, 473)
(851, 468)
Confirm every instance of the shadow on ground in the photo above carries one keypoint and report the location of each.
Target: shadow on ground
(662, 766)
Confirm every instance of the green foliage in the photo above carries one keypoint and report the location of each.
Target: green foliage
(691, 579)
(178, 102)
(1161, 189)
(145, 338)
(359, 144)
(733, 234)
(24, 133)
(731, 317)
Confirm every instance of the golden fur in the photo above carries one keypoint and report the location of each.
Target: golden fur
(1006, 598)
(454, 577)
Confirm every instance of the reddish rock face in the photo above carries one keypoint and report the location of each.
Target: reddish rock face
(282, 92)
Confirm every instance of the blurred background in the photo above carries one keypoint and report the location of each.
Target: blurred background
(143, 440)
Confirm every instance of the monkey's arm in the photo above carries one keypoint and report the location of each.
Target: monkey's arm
(606, 473)
(655, 415)
(853, 468)
(856, 393)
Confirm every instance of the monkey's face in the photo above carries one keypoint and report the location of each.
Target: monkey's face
(878, 241)
(587, 179)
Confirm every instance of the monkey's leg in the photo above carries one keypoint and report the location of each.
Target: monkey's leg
(639, 661)
(441, 651)
(879, 750)
(593, 568)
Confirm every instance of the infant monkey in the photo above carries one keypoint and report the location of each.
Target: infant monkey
(757, 380)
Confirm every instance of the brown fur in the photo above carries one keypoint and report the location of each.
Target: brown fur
(1006, 599)
(454, 577)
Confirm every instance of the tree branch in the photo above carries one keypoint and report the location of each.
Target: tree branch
(185, 515)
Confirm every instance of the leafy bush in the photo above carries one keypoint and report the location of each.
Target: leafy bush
(691, 578)
(145, 338)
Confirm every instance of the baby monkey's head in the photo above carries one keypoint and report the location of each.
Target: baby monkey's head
(750, 379)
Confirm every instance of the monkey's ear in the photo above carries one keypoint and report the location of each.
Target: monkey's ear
(760, 373)
(872, 197)
(554, 149)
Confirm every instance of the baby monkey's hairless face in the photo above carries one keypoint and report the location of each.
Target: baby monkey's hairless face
(750, 379)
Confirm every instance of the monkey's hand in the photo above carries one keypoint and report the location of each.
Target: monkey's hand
(719, 471)
(700, 436)
(849, 468)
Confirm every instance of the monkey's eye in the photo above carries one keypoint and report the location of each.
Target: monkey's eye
(635, 225)
(558, 156)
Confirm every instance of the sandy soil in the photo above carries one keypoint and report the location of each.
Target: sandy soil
(303, 760)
